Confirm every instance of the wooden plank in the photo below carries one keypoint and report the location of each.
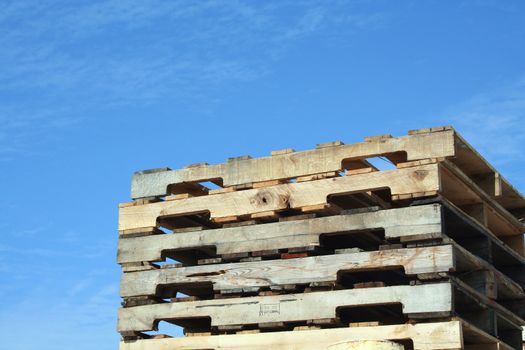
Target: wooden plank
(425, 336)
(280, 197)
(292, 271)
(430, 298)
(292, 165)
(403, 222)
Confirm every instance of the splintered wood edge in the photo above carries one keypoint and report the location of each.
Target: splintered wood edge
(282, 151)
(378, 138)
(430, 130)
(329, 144)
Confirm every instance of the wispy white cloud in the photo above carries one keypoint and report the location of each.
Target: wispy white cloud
(61, 58)
(93, 250)
(494, 122)
(23, 128)
(86, 319)
(127, 46)
(60, 293)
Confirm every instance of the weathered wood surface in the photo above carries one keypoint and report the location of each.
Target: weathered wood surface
(414, 180)
(414, 221)
(295, 164)
(430, 298)
(366, 345)
(425, 336)
(291, 271)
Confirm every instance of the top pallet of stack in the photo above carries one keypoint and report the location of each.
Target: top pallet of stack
(442, 143)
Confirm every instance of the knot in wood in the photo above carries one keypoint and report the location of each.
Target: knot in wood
(420, 174)
(265, 198)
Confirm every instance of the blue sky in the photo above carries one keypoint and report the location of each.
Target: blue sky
(92, 91)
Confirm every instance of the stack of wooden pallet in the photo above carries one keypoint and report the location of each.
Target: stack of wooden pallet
(314, 249)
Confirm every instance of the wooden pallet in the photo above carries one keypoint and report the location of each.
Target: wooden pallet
(245, 172)
(393, 266)
(421, 302)
(404, 184)
(423, 179)
(452, 335)
(258, 275)
(288, 308)
(418, 221)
